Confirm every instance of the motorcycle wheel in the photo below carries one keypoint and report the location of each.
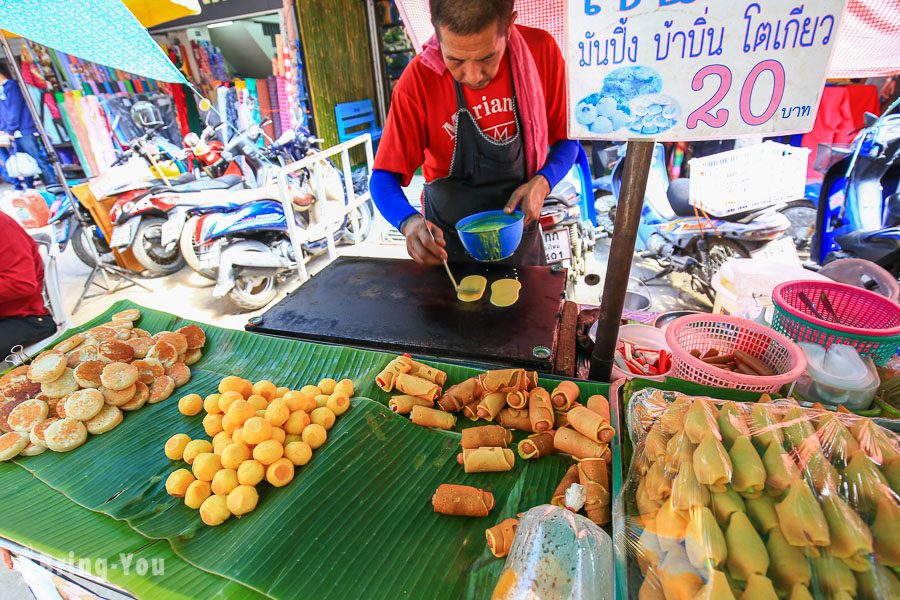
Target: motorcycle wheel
(802, 215)
(253, 293)
(81, 244)
(366, 217)
(148, 251)
(190, 251)
(719, 250)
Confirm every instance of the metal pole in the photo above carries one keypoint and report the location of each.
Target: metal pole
(638, 157)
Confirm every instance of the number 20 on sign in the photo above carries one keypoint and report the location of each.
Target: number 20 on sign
(693, 69)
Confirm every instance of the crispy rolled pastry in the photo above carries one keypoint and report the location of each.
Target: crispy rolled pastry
(571, 442)
(491, 405)
(461, 394)
(462, 501)
(560, 419)
(559, 494)
(500, 537)
(427, 372)
(503, 380)
(470, 411)
(416, 386)
(404, 404)
(388, 375)
(430, 417)
(486, 460)
(540, 410)
(487, 435)
(593, 476)
(600, 405)
(537, 445)
(513, 418)
(564, 395)
(531, 380)
(517, 399)
(590, 424)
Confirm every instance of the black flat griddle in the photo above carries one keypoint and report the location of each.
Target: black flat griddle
(399, 306)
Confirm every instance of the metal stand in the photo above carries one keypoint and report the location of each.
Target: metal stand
(638, 157)
(105, 270)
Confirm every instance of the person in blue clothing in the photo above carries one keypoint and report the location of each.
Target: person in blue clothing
(18, 126)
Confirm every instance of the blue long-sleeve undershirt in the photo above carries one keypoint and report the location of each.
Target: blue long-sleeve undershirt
(395, 208)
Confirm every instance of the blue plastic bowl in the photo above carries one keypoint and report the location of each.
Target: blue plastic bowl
(492, 235)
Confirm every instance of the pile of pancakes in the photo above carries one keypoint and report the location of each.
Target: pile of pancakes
(86, 383)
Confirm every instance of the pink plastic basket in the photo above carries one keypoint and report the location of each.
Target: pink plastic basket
(727, 334)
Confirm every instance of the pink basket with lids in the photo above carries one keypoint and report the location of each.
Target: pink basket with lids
(727, 334)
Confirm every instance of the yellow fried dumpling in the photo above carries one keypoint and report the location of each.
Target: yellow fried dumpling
(230, 423)
(234, 454)
(297, 422)
(277, 413)
(237, 435)
(175, 446)
(278, 435)
(190, 405)
(242, 500)
(195, 447)
(256, 430)
(206, 465)
(321, 400)
(323, 416)
(281, 391)
(214, 510)
(224, 481)
(268, 451)
(257, 402)
(311, 390)
(220, 440)
(212, 424)
(211, 404)
(197, 493)
(178, 481)
(251, 472)
(314, 435)
(280, 472)
(299, 401)
(338, 404)
(345, 387)
(241, 409)
(265, 388)
(227, 399)
(298, 452)
(327, 385)
(291, 437)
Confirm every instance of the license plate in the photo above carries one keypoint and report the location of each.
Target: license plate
(123, 235)
(171, 229)
(557, 246)
(210, 255)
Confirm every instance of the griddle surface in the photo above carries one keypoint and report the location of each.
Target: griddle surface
(399, 306)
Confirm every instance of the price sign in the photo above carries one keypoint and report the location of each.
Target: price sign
(674, 70)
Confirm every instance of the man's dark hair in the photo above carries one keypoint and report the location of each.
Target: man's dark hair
(5, 70)
(468, 17)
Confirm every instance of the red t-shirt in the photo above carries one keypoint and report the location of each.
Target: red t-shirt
(21, 272)
(420, 130)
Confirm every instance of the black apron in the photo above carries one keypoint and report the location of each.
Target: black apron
(483, 176)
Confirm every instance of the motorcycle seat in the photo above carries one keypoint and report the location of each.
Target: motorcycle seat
(181, 179)
(679, 199)
(219, 183)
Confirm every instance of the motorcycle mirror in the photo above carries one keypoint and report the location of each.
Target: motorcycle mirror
(191, 139)
(869, 119)
(205, 104)
(254, 132)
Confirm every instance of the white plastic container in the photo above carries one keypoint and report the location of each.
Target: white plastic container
(644, 335)
(838, 376)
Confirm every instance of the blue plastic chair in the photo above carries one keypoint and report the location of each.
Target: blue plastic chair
(355, 119)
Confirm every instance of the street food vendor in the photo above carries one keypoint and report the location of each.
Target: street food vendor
(483, 111)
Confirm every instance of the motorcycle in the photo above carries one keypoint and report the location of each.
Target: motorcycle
(859, 204)
(69, 229)
(674, 234)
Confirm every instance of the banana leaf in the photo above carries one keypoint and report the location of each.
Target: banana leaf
(356, 521)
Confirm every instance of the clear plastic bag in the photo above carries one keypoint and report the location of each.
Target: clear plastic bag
(557, 555)
(767, 500)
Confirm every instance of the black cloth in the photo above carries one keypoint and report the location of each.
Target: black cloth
(24, 331)
(483, 175)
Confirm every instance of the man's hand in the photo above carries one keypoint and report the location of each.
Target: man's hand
(422, 247)
(530, 197)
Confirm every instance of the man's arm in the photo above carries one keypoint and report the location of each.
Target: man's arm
(424, 241)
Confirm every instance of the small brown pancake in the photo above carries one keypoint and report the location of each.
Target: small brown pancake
(37, 434)
(195, 336)
(180, 373)
(115, 351)
(164, 352)
(107, 419)
(27, 415)
(118, 397)
(129, 314)
(118, 376)
(178, 340)
(5, 408)
(138, 332)
(148, 370)
(64, 385)
(53, 404)
(161, 388)
(84, 353)
(193, 356)
(65, 435)
(141, 395)
(102, 333)
(70, 344)
(21, 370)
(87, 374)
(20, 387)
(140, 345)
(122, 334)
(47, 367)
(121, 324)
(84, 404)
(11, 444)
(60, 408)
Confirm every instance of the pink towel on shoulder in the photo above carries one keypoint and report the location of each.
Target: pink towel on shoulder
(529, 94)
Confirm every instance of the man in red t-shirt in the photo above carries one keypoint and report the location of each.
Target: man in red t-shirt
(477, 110)
(23, 317)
